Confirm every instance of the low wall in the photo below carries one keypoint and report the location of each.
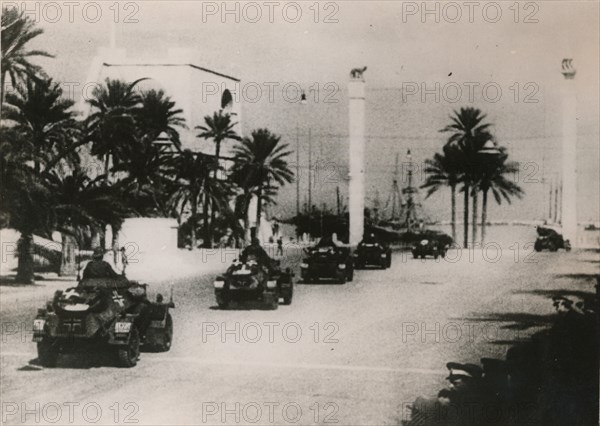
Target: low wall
(174, 264)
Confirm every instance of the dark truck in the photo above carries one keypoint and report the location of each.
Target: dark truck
(247, 281)
(372, 253)
(103, 313)
(327, 262)
(551, 239)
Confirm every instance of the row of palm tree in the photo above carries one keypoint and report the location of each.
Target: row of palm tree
(464, 161)
(134, 133)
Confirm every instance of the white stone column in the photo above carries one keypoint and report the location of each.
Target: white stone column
(569, 154)
(356, 94)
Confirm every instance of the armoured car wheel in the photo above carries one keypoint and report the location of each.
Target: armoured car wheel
(415, 256)
(128, 355)
(341, 279)
(537, 246)
(288, 295)
(351, 275)
(553, 247)
(271, 300)
(389, 261)
(222, 302)
(165, 345)
(48, 352)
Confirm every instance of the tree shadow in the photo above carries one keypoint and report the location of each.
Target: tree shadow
(578, 276)
(513, 320)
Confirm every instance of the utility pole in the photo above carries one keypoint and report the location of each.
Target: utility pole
(309, 171)
(337, 195)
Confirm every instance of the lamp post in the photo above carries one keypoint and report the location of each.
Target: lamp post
(488, 153)
(302, 102)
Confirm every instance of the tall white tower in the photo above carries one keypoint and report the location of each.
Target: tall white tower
(356, 95)
(569, 153)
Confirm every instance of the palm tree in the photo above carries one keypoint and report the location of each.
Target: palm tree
(158, 115)
(45, 120)
(44, 136)
(81, 203)
(262, 159)
(112, 128)
(444, 170)
(493, 177)
(17, 31)
(193, 177)
(147, 164)
(219, 128)
(468, 134)
(112, 125)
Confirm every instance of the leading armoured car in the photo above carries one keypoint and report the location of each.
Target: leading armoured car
(103, 313)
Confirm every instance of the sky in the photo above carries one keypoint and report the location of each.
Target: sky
(421, 67)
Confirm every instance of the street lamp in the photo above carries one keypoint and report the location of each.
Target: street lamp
(302, 102)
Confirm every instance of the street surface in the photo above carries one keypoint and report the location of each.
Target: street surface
(352, 354)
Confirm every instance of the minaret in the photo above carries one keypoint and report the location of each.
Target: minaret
(569, 153)
(356, 187)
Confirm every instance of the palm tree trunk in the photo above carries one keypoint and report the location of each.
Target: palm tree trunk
(25, 273)
(466, 217)
(213, 210)
(193, 239)
(115, 241)
(205, 221)
(453, 202)
(258, 209)
(483, 217)
(68, 264)
(475, 210)
(3, 77)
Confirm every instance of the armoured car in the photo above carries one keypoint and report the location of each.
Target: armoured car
(550, 238)
(247, 281)
(327, 262)
(429, 246)
(103, 313)
(372, 253)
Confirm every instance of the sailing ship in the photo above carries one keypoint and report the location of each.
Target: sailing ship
(403, 211)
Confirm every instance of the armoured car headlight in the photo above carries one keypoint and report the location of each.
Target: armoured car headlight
(271, 284)
(38, 324)
(383, 255)
(219, 284)
(342, 266)
(304, 265)
(122, 327)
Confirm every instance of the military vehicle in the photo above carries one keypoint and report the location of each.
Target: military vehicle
(372, 253)
(247, 281)
(103, 313)
(550, 238)
(429, 247)
(327, 262)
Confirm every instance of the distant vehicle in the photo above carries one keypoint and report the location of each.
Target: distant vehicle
(246, 281)
(429, 246)
(550, 238)
(592, 227)
(327, 262)
(372, 253)
(103, 313)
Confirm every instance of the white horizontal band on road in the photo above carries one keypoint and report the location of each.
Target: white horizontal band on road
(192, 360)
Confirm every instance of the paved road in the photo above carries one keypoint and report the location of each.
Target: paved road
(352, 354)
